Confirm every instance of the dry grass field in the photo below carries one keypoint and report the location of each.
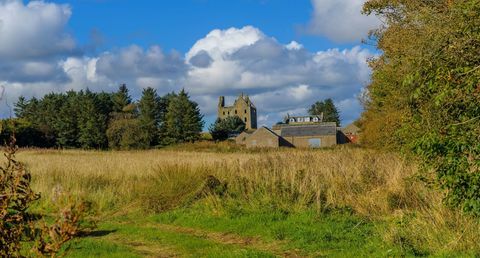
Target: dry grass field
(220, 200)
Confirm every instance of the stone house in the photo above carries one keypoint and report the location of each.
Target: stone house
(242, 107)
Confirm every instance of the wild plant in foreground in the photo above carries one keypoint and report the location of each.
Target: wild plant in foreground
(17, 225)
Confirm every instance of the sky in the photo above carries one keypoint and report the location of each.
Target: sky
(285, 54)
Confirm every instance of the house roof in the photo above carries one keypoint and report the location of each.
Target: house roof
(309, 130)
(243, 136)
(288, 117)
(351, 128)
(268, 130)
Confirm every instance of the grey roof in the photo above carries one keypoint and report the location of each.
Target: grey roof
(309, 130)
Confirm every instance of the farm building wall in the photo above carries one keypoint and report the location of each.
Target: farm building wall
(306, 141)
(263, 138)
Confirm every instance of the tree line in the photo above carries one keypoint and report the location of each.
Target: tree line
(92, 120)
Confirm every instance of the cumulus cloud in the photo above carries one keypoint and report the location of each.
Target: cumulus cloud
(34, 30)
(341, 20)
(280, 77)
(142, 68)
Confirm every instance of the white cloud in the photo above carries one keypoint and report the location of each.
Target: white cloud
(224, 42)
(35, 30)
(280, 78)
(341, 20)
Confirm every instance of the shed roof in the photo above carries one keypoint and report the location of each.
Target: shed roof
(351, 128)
(266, 129)
(309, 130)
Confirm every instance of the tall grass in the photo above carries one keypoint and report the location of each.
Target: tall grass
(375, 185)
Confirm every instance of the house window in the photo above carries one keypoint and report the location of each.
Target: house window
(292, 120)
(315, 119)
(300, 119)
(307, 119)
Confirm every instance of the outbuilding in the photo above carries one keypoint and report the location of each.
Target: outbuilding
(263, 138)
(311, 136)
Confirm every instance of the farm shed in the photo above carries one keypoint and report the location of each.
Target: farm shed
(311, 136)
(263, 137)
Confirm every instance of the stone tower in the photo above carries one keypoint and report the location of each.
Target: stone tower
(242, 107)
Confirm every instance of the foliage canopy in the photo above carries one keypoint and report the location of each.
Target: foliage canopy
(425, 91)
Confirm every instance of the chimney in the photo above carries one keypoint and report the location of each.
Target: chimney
(221, 101)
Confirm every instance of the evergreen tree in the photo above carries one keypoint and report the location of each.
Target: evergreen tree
(121, 99)
(46, 115)
(163, 104)
(92, 123)
(329, 110)
(20, 107)
(184, 122)
(66, 124)
(149, 115)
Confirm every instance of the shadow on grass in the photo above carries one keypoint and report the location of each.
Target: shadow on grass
(97, 233)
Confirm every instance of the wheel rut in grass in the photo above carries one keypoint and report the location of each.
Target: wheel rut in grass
(147, 249)
(274, 247)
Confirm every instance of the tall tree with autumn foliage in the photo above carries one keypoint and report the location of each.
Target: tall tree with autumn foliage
(424, 97)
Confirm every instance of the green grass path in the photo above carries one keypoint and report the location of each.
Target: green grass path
(199, 232)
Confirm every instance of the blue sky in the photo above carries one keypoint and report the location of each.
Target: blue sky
(285, 54)
(178, 24)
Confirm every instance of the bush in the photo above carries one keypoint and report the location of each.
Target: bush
(126, 134)
(18, 225)
(223, 128)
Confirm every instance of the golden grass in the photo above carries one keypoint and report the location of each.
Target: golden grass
(376, 185)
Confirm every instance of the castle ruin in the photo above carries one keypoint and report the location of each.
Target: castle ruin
(242, 107)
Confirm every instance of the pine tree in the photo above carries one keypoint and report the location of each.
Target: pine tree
(149, 115)
(184, 122)
(66, 123)
(121, 98)
(21, 107)
(163, 104)
(92, 123)
(329, 110)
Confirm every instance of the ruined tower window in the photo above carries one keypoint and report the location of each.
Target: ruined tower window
(245, 111)
(228, 112)
(235, 112)
(245, 119)
(223, 112)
